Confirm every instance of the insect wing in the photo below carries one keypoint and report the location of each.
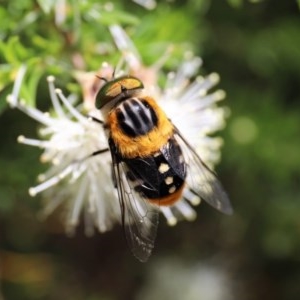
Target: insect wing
(139, 216)
(201, 180)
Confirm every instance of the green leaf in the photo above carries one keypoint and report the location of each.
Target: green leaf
(12, 51)
(29, 86)
(5, 75)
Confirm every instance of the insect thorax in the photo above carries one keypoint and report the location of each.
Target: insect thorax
(136, 117)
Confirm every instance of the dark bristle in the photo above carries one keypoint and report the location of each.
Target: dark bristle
(102, 78)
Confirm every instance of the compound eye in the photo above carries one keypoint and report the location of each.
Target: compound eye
(130, 83)
(116, 89)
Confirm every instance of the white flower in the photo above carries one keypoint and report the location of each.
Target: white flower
(68, 137)
(193, 110)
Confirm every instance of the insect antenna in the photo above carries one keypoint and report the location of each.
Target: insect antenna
(114, 73)
(102, 78)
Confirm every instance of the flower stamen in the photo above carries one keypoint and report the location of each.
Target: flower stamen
(32, 142)
(74, 112)
(33, 191)
(171, 219)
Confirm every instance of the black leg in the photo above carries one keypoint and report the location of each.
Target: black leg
(91, 155)
(96, 120)
(99, 152)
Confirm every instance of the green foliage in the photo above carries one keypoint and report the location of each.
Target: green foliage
(47, 40)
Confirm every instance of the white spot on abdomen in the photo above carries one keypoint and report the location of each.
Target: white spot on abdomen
(163, 168)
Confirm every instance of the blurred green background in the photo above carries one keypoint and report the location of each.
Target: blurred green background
(254, 254)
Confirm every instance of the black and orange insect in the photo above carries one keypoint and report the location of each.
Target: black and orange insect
(152, 162)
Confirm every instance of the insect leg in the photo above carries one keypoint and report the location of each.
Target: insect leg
(96, 120)
(90, 155)
(99, 152)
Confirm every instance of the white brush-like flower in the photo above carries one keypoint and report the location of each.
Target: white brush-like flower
(68, 138)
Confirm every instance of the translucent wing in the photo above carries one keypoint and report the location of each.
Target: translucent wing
(201, 180)
(139, 216)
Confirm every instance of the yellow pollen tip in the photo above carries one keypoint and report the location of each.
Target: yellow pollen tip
(41, 177)
(192, 217)
(32, 192)
(20, 139)
(220, 94)
(195, 201)
(50, 78)
(172, 221)
(44, 158)
(214, 77)
(55, 161)
(9, 98)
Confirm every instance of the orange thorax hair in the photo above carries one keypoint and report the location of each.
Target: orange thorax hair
(144, 145)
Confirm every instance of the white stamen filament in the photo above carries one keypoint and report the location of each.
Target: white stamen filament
(52, 205)
(32, 142)
(78, 202)
(193, 92)
(172, 221)
(187, 211)
(78, 170)
(53, 96)
(33, 191)
(191, 197)
(41, 177)
(190, 66)
(70, 108)
(126, 46)
(48, 156)
(100, 216)
(92, 203)
(206, 83)
(93, 192)
(13, 98)
(208, 100)
(34, 114)
(88, 223)
(56, 161)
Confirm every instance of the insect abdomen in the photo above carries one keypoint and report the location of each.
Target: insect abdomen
(159, 178)
(135, 117)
